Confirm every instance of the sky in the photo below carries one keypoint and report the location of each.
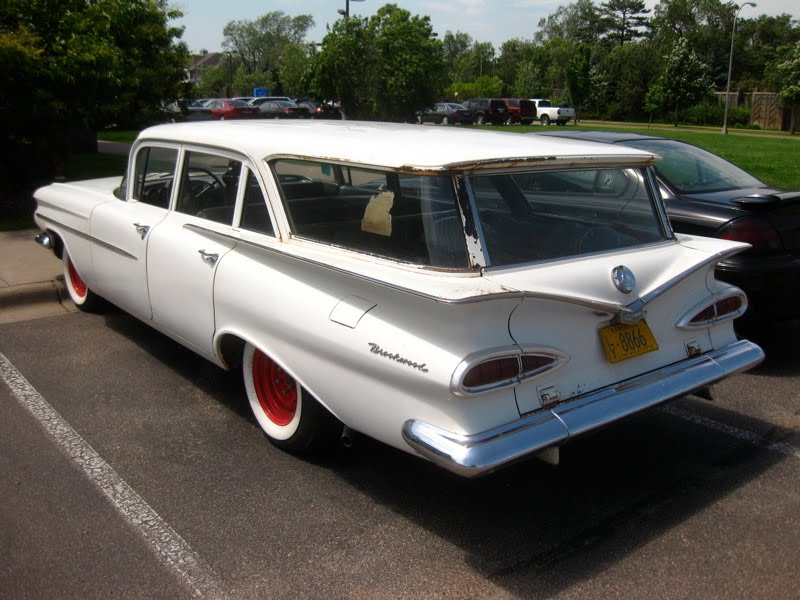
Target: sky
(492, 21)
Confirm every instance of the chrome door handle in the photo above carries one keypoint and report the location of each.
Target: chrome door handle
(141, 229)
(210, 257)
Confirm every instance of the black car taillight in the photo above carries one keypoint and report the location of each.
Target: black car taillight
(752, 230)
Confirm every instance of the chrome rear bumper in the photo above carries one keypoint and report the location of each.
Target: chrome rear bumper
(481, 453)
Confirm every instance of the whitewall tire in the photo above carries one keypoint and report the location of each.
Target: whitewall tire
(289, 416)
(84, 298)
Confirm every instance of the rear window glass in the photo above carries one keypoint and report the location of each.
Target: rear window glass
(535, 216)
(410, 218)
(689, 169)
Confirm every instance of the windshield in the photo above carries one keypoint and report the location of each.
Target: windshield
(544, 215)
(689, 169)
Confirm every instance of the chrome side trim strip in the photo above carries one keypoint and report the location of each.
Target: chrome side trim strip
(481, 453)
(88, 237)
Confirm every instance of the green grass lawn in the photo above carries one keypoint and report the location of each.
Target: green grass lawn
(117, 135)
(771, 156)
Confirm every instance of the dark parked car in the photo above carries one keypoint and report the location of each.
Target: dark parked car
(282, 109)
(320, 110)
(223, 108)
(487, 110)
(707, 195)
(446, 113)
(520, 110)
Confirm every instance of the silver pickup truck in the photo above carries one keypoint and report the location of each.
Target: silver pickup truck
(547, 113)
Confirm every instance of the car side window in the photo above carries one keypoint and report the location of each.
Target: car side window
(209, 185)
(255, 216)
(409, 218)
(154, 174)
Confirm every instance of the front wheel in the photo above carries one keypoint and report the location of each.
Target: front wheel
(545, 120)
(289, 416)
(84, 298)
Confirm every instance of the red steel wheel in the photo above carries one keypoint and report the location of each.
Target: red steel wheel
(275, 388)
(288, 414)
(83, 297)
(77, 284)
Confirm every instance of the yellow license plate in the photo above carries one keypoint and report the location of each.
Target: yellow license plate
(623, 341)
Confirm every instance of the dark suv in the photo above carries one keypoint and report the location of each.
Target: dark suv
(488, 110)
(520, 110)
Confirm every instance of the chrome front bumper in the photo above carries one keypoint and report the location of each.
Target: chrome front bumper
(484, 452)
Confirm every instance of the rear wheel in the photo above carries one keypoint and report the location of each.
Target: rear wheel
(289, 416)
(545, 120)
(84, 298)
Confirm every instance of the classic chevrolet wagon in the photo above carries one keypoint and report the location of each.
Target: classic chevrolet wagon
(472, 297)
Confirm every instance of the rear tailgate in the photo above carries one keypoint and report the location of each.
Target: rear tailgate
(568, 303)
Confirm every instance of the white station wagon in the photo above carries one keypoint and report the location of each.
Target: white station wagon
(470, 296)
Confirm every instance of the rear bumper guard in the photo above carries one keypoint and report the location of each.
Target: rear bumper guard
(481, 453)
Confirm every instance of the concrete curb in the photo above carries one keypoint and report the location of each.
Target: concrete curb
(31, 293)
(31, 300)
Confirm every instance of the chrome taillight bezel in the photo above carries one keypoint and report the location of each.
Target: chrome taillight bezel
(686, 323)
(458, 388)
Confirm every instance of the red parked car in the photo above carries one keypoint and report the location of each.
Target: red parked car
(520, 110)
(223, 108)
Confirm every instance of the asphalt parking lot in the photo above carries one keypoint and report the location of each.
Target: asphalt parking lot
(132, 469)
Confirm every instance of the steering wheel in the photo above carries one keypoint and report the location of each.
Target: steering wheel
(200, 187)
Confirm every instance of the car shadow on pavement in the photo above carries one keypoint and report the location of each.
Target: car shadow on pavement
(781, 345)
(532, 529)
(536, 529)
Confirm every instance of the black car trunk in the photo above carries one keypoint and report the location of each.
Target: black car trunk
(781, 209)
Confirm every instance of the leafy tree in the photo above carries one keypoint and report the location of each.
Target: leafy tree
(386, 67)
(487, 85)
(260, 43)
(624, 19)
(789, 73)
(684, 78)
(342, 70)
(580, 22)
(73, 66)
(454, 47)
(527, 82)
(579, 78)
(292, 68)
(654, 101)
(513, 54)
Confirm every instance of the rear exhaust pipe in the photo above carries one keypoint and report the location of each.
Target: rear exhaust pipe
(347, 437)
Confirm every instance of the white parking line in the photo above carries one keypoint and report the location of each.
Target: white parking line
(170, 547)
(741, 434)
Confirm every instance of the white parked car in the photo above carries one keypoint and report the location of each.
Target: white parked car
(473, 297)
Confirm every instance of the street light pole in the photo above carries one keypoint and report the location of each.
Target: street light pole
(730, 68)
(346, 11)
